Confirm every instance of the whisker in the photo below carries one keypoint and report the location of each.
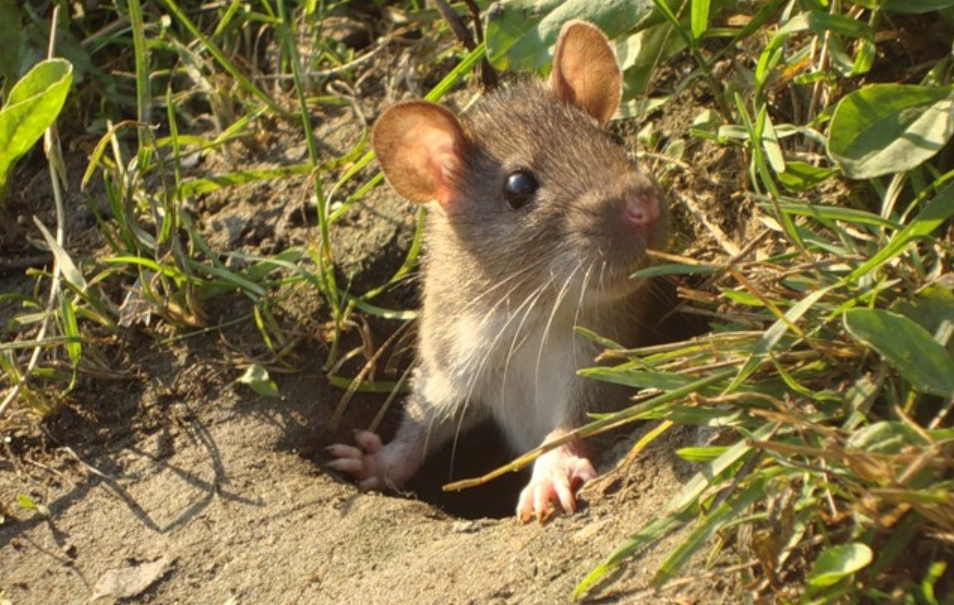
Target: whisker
(500, 284)
(546, 330)
(475, 365)
(579, 305)
(516, 341)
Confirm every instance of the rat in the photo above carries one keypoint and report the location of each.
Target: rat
(537, 218)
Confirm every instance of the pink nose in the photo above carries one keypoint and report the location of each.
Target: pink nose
(640, 211)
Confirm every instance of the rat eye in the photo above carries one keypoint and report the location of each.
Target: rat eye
(519, 188)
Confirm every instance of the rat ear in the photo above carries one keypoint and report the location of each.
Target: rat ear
(585, 72)
(419, 145)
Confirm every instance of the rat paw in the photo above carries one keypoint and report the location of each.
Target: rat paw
(374, 465)
(557, 475)
(361, 462)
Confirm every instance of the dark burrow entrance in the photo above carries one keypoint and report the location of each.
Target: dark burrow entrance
(476, 453)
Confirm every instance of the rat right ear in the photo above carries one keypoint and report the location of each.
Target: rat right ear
(419, 145)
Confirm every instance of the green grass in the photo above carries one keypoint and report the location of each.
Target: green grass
(829, 367)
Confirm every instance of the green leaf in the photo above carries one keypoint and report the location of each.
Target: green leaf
(33, 104)
(640, 53)
(26, 502)
(822, 22)
(629, 376)
(521, 32)
(74, 347)
(835, 213)
(713, 521)
(674, 269)
(907, 347)
(769, 139)
(72, 275)
(819, 22)
(699, 18)
(932, 308)
(199, 186)
(934, 573)
(701, 454)
(257, 378)
(837, 562)
(890, 128)
(801, 176)
(930, 218)
(774, 335)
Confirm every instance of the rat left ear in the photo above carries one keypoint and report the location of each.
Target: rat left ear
(420, 146)
(585, 72)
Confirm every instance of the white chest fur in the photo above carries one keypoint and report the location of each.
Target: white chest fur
(520, 368)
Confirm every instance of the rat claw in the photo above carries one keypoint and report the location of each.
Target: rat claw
(352, 466)
(340, 450)
(359, 462)
(565, 494)
(525, 506)
(541, 501)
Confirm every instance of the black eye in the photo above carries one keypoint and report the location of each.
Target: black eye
(519, 188)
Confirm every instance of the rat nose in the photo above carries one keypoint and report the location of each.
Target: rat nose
(640, 210)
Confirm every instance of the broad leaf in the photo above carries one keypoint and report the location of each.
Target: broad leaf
(839, 561)
(520, 32)
(257, 378)
(907, 347)
(889, 128)
(932, 308)
(33, 104)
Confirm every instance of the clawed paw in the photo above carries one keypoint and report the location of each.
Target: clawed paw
(361, 462)
(374, 465)
(557, 475)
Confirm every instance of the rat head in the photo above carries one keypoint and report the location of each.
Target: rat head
(529, 186)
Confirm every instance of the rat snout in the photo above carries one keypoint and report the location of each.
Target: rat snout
(636, 203)
(640, 210)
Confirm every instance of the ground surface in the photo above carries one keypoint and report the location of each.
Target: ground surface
(167, 483)
(218, 493)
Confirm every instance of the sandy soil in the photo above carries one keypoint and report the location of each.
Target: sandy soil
(211, 482)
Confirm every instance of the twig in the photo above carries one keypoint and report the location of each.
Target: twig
(487, 74)
(356, 382)
(717, 233)
(454, 22)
